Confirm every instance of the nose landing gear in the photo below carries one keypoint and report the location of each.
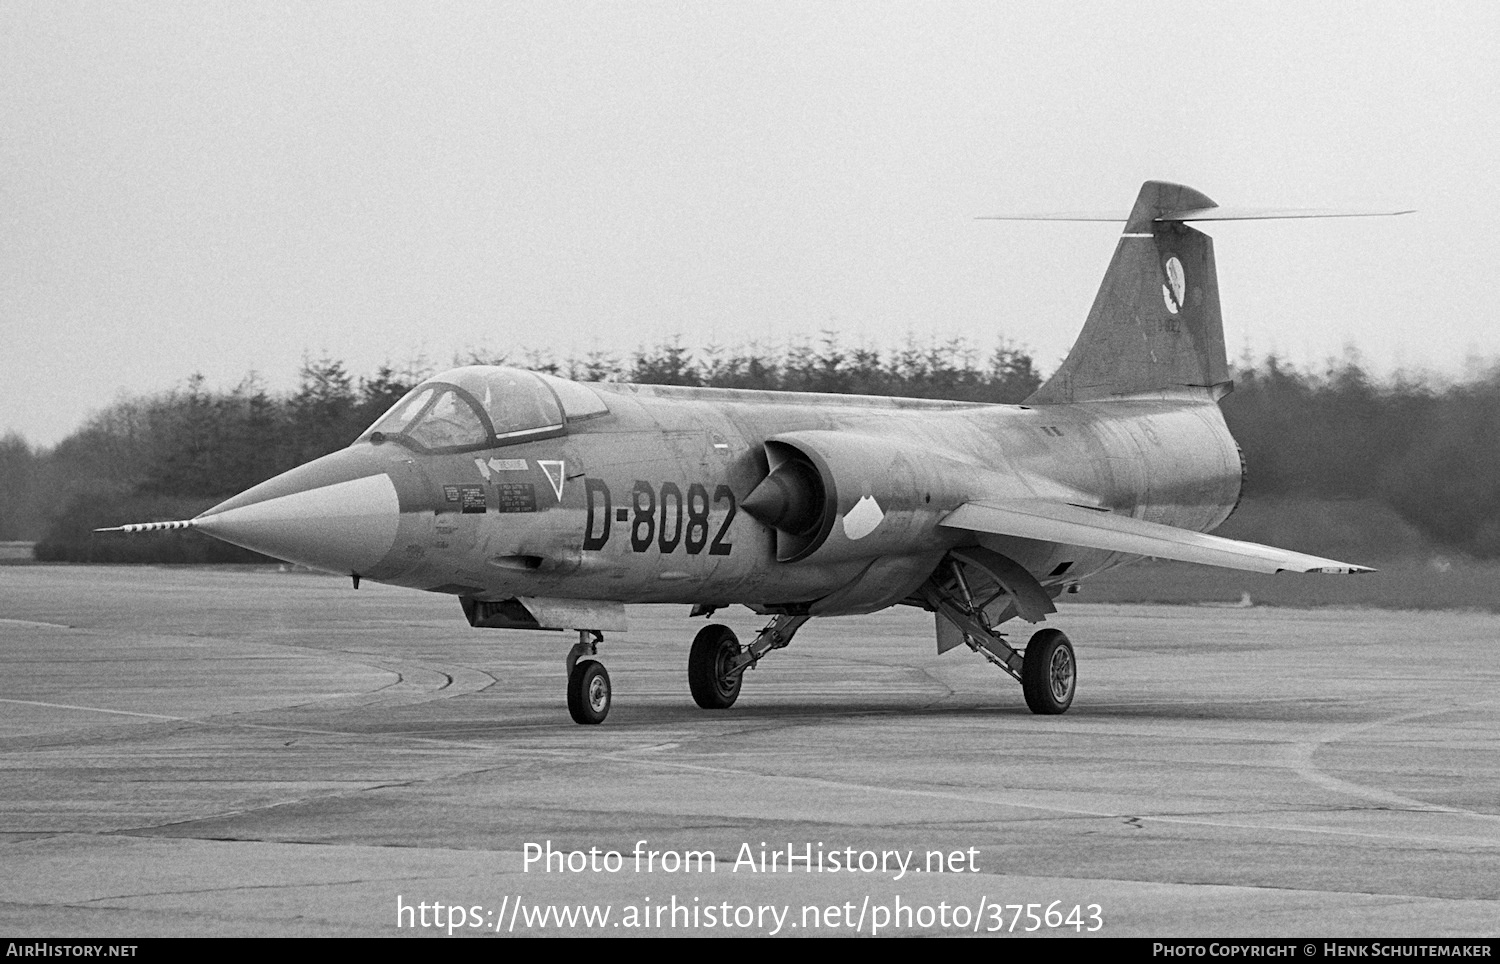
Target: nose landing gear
(589, 689)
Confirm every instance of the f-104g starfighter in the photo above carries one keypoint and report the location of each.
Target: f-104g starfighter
(543, 503)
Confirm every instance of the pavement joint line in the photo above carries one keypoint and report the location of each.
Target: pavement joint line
(96, 709)
(306, 731)
(1300, 759)
(1050, 808)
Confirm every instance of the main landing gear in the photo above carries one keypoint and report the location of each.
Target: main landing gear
(1046, 669)
(588, 681)
(978, 590)
(717, 662)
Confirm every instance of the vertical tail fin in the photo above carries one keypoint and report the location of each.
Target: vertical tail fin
(1155, 325)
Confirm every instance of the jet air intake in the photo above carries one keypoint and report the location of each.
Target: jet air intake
(790, 498)
(795, 500)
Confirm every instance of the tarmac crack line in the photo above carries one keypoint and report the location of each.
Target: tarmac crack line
(96, 709)
(1300, 759)
(152, 829)
(247, 887)
(992, 800)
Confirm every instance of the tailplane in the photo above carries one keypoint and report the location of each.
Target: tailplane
(1155, 327)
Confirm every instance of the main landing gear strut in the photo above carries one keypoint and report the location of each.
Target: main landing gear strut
(717, 662)
(978, 589)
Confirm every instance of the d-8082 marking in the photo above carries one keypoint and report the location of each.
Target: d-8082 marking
(684, 520)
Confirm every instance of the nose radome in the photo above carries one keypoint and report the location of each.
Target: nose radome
(338, 513)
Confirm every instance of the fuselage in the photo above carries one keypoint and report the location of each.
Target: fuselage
(642, 503)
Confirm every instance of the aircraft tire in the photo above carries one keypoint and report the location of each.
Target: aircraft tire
(588, 692)
(712, 647)
(1049, 673)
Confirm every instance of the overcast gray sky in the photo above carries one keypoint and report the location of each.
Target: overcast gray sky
(222, 188)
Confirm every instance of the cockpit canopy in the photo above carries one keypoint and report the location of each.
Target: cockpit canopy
(483, 406)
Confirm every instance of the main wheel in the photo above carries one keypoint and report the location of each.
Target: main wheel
(1049, 674)
(588, 692)
(714, 649)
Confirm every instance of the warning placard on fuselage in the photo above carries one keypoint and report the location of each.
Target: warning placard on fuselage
(514, 497)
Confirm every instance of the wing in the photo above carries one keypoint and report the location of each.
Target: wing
(1101, 529)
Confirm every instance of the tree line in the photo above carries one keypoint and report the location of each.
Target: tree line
(1428, 450)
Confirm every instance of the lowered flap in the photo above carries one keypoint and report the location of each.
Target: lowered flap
(1097, 529)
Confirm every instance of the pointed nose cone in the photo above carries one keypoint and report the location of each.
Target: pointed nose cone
(338, 513)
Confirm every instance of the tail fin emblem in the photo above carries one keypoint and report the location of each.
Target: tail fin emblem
(1172, 290)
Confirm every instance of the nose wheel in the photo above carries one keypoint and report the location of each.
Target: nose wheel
(589, 690)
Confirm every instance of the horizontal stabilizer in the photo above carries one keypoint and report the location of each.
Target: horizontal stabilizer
(1205, 214)
(1274, 214)
(1100, 529)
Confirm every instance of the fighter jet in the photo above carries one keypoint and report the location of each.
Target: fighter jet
(546, 504)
